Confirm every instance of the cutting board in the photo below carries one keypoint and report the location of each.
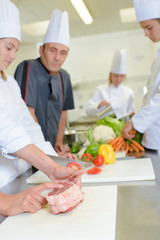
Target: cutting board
(122, 170)
(92, 219)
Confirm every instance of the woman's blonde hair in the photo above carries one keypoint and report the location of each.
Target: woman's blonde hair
(110, 78)
(3, 76)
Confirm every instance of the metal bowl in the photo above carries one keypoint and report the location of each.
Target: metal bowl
(72, 135)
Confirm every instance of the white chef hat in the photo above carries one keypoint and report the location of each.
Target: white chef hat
(9, 20)
(147, 9)
(58, 29)
(119, 62)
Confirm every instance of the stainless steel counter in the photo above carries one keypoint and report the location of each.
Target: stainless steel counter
(138, 209)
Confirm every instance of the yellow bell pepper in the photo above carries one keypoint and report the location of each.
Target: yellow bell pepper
(107, 152)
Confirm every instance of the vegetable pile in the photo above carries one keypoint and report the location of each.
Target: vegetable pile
(105, 156)
(121, 144)
(115, 124)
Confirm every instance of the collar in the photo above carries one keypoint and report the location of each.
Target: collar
(119, 86)
(39, 60)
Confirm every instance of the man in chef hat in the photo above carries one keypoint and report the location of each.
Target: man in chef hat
(45, 86)
(147, 119)
(116, 94)
(18, 130)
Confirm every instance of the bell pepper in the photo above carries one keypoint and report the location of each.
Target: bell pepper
(107, 152)
(75, 147)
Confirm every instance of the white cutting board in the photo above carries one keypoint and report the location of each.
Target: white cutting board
(92, 219)
(122, 170)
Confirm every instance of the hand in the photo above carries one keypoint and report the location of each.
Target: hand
(103, 103)
(61, 148)
(29, 200)
(62, 174)
(131, 114)
(126, 129)
(68, 155)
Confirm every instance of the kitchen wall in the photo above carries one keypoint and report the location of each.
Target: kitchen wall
(89, 63)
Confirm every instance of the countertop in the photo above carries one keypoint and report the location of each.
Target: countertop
(138, 209)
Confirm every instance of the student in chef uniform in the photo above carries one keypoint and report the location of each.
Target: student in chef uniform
(120, 97)
(147, 119)
(45, 86)
(18, 131)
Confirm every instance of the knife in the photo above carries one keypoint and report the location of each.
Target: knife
(64, 161)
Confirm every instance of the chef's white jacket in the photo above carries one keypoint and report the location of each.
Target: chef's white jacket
(17, 130)
(147, 119)
(121, 100)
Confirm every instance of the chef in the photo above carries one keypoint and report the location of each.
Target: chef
(20, 136)
(147, 119)
(45, 86)
(115, 94)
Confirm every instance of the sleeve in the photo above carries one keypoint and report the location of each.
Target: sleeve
(68, 103)
(147, 115)
(91, 108)
(131, 104)
(12, 137)
(25, 76)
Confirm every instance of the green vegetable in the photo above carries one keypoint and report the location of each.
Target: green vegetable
(92, 149)
(115, 124)
(138, 137)
(90, 135)
(75, 147)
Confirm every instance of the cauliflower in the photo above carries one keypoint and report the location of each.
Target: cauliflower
(103, 133)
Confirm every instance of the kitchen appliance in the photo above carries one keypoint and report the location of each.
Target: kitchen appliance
(73, 135)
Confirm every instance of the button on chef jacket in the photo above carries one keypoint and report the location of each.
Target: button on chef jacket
(17, 130)
(147, 119)
(47, 94)
(121, 100)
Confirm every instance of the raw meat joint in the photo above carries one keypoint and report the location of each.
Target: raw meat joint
(65, 199)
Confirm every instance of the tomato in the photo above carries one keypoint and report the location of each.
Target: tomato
(94, 170)
(99, 161)
(87, 157)
(74, 165)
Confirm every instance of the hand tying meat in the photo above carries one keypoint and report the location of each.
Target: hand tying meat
(66, 198)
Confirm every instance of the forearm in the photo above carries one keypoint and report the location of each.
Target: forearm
(32, 111)
(38, 159)
(147, 115)
(3, 203)
(61, 128)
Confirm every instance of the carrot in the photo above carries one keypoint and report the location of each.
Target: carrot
(119, 145)
(134, 147)
(127, 148)
(138, 146)
(115, 140)
(132, 132)
(123, 146)
(130, 149)
(110, 141)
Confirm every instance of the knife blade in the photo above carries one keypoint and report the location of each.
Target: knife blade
(64, 161)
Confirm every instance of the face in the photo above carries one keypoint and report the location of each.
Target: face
(117, 79)
(53, 56)
(152, 29)
(8, 49)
